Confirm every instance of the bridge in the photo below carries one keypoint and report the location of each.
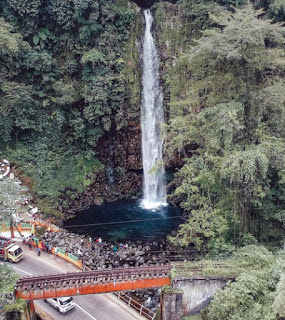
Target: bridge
(90, 282)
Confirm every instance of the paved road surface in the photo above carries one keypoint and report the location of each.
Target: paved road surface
(96, 306)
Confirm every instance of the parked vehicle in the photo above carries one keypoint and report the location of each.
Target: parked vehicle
(10, 251)
(63, 304)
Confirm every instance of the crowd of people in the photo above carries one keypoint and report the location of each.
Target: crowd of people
(42, 245)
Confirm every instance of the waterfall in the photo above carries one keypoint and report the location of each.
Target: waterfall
(154, 193)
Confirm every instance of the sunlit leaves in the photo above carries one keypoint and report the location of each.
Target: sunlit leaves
(8, 279)
(93, 56)
(9, 40)
(278, 303)
(245, 169)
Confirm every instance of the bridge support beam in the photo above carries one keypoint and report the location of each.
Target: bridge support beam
(171, 303)
(197, 292)
(83, 288)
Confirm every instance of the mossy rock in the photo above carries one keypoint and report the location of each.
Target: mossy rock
(170, 290)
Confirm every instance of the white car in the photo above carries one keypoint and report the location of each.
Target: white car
(63, 304)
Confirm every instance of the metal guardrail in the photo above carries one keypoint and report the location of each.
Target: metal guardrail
(142, 310)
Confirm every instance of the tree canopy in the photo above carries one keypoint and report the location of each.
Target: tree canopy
(223, 126)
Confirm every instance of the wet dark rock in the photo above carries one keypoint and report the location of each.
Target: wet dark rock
(102, 256)
(146, 4)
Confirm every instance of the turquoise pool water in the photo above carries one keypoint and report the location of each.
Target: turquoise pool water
(126, 220)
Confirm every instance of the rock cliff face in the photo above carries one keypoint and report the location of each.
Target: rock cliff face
(148, 3)
(122, 177)
(123, 149)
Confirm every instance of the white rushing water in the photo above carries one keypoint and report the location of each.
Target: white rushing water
(151, 118)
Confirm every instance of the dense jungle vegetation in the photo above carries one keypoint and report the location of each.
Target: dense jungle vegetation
(225, 75)
(226, 118)
(66, 81)
(63, 85)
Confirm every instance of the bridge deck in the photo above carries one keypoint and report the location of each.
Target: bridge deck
(91, 282)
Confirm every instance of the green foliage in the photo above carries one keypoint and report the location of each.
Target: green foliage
(48, 207)
(11, 42)
(258, 291)
(11, 48)
(10, 198)
(18, 103)
(94, 57)
(247, 298)
(247, 239)
(196, 317)
(7, 284)
(219, 248)
(62, 86)
(8, 279)
(26, 10)
(223, 106)
(18, 306)
(198, 191)
(278, 303)
(234, 263)
(277, 10)
(253, 256)
(201, 225)
(54, 172)
(245, 172)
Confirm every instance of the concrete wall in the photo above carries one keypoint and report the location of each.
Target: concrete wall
(197, 293)
(171, 303)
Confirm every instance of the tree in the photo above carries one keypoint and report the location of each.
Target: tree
(251, 296)
(11, 198)
(278, 303)
(223, 124)
(62, 87)
(11, 47)
(7, 283)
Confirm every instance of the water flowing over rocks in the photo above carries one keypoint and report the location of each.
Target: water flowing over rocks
(152, 117)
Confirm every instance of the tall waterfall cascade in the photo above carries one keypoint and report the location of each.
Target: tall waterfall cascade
(152, 117)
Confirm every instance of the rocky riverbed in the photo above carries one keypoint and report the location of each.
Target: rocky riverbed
(102, 256)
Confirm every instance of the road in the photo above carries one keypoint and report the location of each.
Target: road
(95, 307)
